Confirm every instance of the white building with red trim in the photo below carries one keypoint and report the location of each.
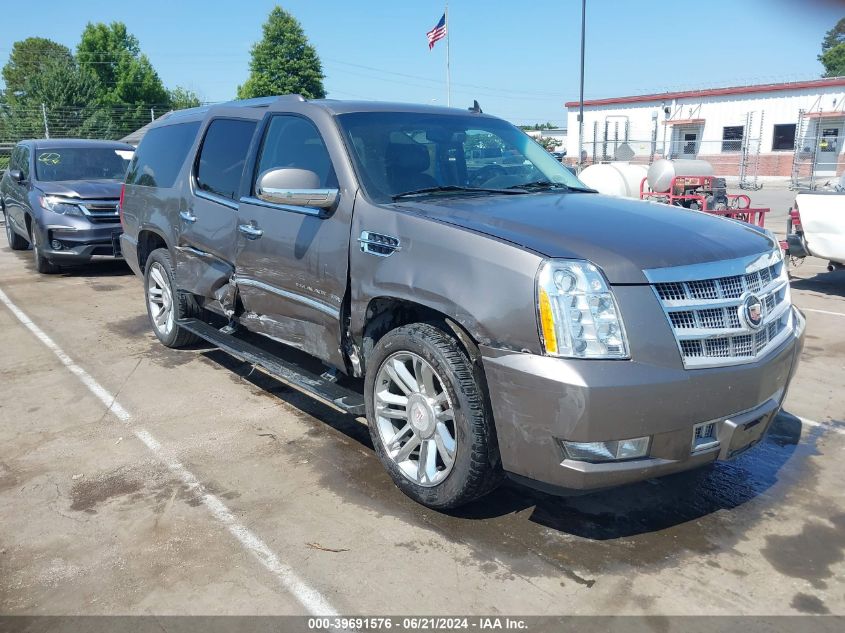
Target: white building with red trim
(769, 130)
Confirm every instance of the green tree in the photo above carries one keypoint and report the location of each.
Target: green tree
(539, 126)
(832, 56)
(834, 36)
(181, 98)
(834, 61)
(548, 143)
(27, 58)
(68, 94)
(283, 62)
(125, 76)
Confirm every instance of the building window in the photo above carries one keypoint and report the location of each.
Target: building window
(732, 138)
(783, 137)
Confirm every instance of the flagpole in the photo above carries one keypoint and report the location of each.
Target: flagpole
(448, 76)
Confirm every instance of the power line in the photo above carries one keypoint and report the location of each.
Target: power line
(496, 91)
(440, 81)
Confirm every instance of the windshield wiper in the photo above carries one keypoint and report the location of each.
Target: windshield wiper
(547, 185)
(452, 189)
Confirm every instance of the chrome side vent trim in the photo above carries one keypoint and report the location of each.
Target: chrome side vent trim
(378, 244)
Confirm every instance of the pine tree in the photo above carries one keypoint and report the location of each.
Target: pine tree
(283, 62)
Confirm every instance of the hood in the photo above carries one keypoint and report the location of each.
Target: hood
(86, 189)
(621, 236)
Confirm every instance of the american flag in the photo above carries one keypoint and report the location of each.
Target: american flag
(437, 33)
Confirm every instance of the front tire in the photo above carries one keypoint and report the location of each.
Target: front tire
(165, 304)
(428, 418)
(16, 242)
(42, 264)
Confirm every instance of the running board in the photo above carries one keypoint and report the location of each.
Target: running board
(326, 391)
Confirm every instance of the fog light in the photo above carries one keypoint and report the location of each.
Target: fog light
(56, 244)
(612, 451)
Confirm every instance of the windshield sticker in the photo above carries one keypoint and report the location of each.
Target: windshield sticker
(49, 158)
(125, 154)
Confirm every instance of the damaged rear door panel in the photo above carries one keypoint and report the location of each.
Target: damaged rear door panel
(206, 247)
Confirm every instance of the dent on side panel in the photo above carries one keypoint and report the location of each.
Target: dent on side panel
(486, 286)
(297, 328)
(201, 273)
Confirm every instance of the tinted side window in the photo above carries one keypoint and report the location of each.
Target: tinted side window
(160, 155)
(222, 157)
(24, 162)
(14, 161)
(292, 141)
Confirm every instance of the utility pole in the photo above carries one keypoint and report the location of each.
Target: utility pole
(448, 74)
(581, 99)
(44, 115)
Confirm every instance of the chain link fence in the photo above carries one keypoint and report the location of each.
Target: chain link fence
(109, 123)
(814, 158)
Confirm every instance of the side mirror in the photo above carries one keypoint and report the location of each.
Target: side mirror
(16, 175)
(295, 187)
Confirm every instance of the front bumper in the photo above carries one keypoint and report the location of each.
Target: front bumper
(538, 401)
(80, 244)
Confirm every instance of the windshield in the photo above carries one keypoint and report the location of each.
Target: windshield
(81, 163)
(402, 152)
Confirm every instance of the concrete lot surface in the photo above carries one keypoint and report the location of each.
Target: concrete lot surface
(209, 489)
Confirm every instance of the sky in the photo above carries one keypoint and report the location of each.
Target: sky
(520, 60)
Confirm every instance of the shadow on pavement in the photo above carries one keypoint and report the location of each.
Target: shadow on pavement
(655, 504)
(98, 267)
(825, 282)
(640, 508)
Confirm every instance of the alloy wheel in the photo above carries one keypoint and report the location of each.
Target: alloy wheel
(160, 299)
(415, 418)
(34, 245)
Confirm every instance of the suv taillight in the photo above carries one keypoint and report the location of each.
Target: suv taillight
(120, 205)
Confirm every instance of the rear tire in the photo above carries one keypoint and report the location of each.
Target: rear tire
(440, 410)
(42, 264)
(16, 242)
(165, 304)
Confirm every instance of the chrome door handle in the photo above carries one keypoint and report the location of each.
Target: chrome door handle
(251, 231)
(188, 217)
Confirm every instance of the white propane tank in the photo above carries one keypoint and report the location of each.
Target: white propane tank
(662, 171)
(615, 179)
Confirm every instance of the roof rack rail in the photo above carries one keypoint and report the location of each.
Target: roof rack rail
(261, 102)
(257, 102)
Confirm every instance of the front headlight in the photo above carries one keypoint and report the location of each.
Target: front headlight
(58, 205)
(577, 311)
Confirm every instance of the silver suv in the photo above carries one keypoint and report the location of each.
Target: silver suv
(487, 312)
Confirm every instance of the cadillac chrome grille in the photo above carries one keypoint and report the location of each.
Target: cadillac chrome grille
(726, 313)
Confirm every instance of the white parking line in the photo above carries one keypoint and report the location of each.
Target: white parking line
(311, 599)
(823, 312)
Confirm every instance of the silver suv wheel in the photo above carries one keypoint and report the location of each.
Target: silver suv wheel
(415, 419)
(160, 299)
